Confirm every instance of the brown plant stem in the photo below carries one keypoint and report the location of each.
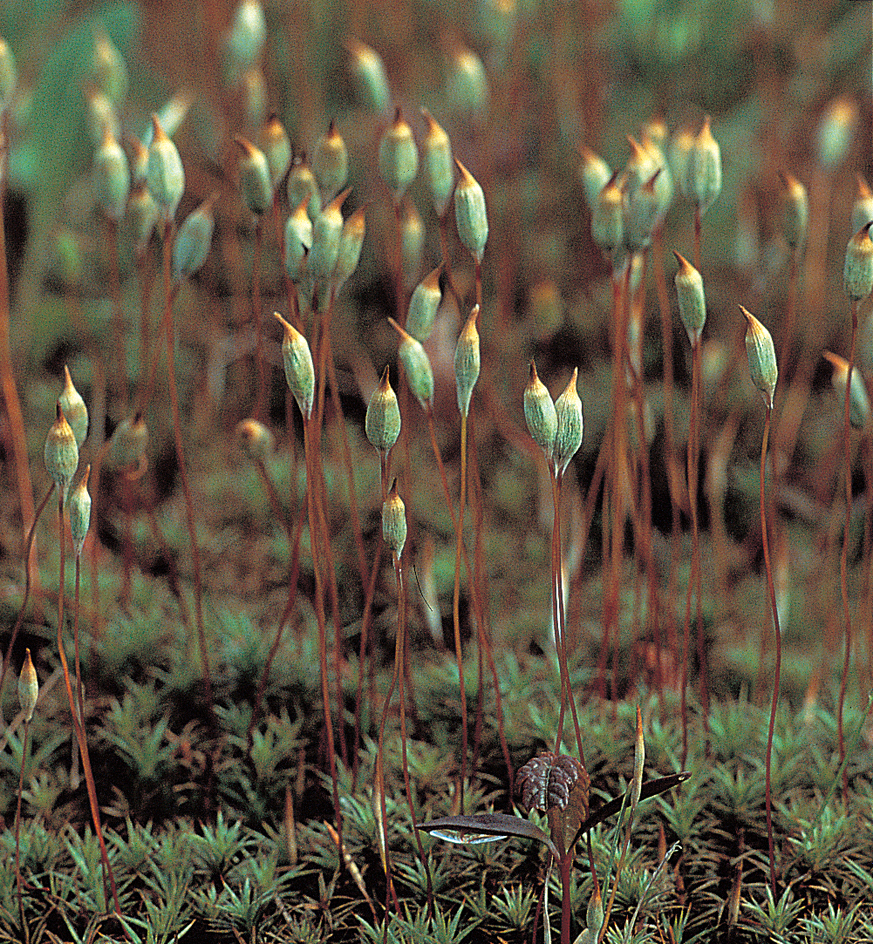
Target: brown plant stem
(25, 930)
(777, 670)
(261, 397)
(844, 556)
(478, 605)
(28, 544)
(317, 537)
(79, 723)
(18, 440)
(558, 618)
(456, 614)
(169, 234)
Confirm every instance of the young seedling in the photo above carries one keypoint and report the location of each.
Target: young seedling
(557, 785)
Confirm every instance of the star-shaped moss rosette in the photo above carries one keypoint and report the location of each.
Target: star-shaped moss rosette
(557, 785)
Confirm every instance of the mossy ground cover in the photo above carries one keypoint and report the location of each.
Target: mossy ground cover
(268, 643)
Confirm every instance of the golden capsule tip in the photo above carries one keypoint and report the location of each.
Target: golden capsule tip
(864, 191)
(534, 377)
(338, 200)
(158, 131)
(403, 334)
(247, 149)
(468, 178)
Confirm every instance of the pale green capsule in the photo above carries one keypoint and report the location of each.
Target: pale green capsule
(607, 217)
(703, 170)
(858, 265)
(471, 215)
(129, 442)
(692, 301)
(540, 413)
(762, 357)
(398, 157)
(678, 152)
(194, 239)
(28, 688)
(467, 81)
(330, 162)
(253, 86)
(108, 69)
(394, 521)
(298, 241)
(79, 510)
(8, 75)
(416, 363)
(74, 408)
(101, 116)
(795, 211)
(326, 233)
(246, 38)
(170, 115)
(594, 173)
(255, 182)
(862, 209)
(859, 402)
(382, 422)
(255, 439)
(299, 368)
(423, 305)
(111, 177)
(61, 453)
(302, 184)
(836, 130)
(411, 242)
(350, 245)
(467, 362)
(439, 168)
(165, 173)
(642, 212)
(368, 75)
(142, 215)
(568, 438)
(273, 140)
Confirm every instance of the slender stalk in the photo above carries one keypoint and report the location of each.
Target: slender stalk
(78, 724)
(28, 544)
(778, 668)
(844, 586)
(558, 618)
(478, 606)
(316, 538)
(456, 615)
(261, 398)
(120, 373)
(694, 579)
(7, 376)
(25, 930)
(400, 653)
(183, 475)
